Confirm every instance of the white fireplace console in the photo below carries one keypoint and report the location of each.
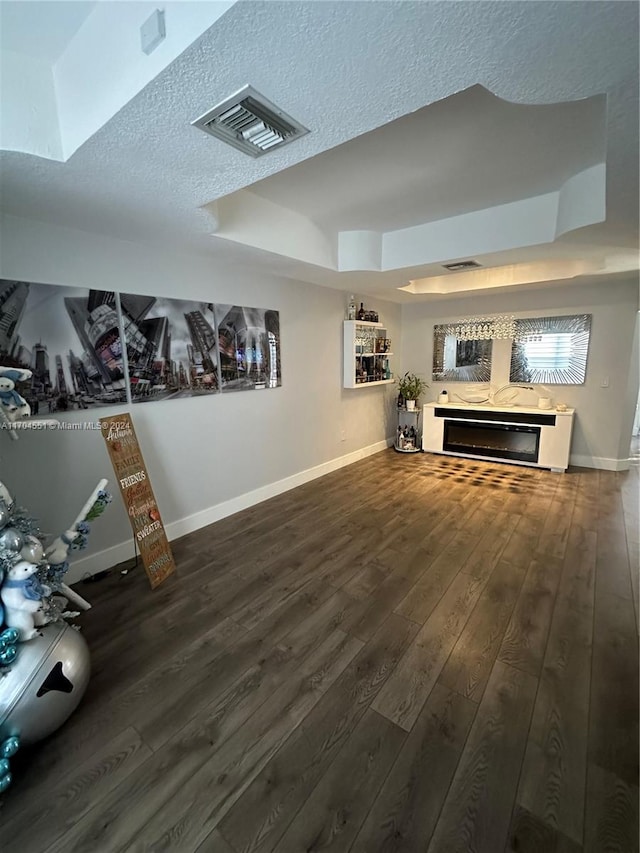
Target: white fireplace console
(518, 434)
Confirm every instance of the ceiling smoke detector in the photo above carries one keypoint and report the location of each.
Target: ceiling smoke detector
(458, 266)
(251, 123)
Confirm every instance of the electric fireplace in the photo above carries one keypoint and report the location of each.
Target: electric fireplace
(499, 441)
(520, 435)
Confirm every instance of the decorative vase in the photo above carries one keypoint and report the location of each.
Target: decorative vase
(411, 404)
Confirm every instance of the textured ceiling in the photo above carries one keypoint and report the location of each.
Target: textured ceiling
(342, 69)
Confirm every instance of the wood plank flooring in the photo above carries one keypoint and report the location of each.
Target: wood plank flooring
(414, 654)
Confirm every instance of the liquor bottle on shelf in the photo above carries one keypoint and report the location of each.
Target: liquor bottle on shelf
(361, 312)
(352, 311)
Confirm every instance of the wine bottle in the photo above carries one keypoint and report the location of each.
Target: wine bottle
(361, 312)
(351, 313)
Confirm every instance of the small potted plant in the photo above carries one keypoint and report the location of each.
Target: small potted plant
(411, 386)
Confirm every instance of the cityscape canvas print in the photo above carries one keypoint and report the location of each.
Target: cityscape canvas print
(171, 348)
(70, 338)
(249, 344)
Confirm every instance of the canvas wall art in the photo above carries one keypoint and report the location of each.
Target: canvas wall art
(69, 338)
(171, 348)
(249, 346)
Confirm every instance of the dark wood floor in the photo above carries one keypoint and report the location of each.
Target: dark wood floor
(415, 653)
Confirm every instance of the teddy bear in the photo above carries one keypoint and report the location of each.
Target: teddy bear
(22, 601)
(13, 405)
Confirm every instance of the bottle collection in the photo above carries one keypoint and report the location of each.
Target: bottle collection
(407, 438)
(354, 313)
(368, 316)
(372, 370)
(382, 345)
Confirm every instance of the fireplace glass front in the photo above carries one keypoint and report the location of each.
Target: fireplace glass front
(500, 441)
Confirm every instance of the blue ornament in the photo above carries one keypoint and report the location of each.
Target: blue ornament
(5, 781)
(9, 637)
(10, 747)
(4, 766)
(8, 655)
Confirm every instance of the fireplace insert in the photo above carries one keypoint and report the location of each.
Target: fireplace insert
(499, 441)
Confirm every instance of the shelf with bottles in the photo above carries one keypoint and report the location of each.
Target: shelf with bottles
(408, 439)
(367, 354)
(361, 314)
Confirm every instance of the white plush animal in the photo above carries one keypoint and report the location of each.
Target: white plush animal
(13, 405)
(22, 607)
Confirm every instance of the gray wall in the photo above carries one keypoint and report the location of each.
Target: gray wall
(207, 457)
(604, 416)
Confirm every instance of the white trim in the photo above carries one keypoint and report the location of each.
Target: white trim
(109, 557)
(602, 463)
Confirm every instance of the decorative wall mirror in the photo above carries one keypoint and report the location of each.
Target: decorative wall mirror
(459, 357)
(551, 350)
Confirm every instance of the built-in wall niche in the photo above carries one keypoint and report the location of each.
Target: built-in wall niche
(459, 359)
(551, 350)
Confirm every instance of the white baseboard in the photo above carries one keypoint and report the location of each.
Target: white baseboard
(105, 559)
(602, 463)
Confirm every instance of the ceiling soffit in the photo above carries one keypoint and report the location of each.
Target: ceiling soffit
(552, 155)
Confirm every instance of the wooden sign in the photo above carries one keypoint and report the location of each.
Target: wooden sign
(133, 479)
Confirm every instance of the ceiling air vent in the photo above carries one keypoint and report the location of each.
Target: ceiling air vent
(251, 123)
(459, 266)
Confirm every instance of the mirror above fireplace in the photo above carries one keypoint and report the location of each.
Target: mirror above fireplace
(456, 359)
(551, 350)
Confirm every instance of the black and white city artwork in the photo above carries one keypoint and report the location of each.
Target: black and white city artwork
(69, 339)
(249, 344)
(171, 348)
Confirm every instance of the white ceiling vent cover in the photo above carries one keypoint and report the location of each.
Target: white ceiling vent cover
(250, 122)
